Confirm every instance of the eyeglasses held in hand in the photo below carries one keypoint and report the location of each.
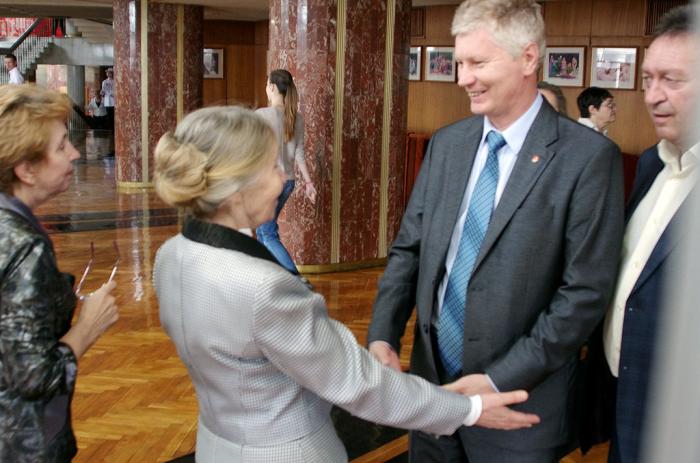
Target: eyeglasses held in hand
(88, 267)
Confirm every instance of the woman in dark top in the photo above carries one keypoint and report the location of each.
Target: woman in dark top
(39, 349)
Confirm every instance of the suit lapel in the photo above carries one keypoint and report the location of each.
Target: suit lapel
(461, 152)
(643, 181)
(531, 162)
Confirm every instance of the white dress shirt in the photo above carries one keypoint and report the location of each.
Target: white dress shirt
(648, 222)
(16, 76)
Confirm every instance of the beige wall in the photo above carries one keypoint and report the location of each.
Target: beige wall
(588, 23)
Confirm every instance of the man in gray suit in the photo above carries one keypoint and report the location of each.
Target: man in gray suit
(509, 245)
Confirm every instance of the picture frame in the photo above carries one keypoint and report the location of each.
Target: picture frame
(213, 63)
(414, 63)
(614, 67)
(564, 66)
(440, 64)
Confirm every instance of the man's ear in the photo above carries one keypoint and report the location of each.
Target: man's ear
(531, 58)
(592, 109)
(26, 172)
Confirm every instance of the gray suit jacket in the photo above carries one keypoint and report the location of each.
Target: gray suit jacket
(266, 361)
(544, 275)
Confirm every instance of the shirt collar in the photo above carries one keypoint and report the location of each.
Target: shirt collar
(675, 160)
(587, 122)
(516, 133)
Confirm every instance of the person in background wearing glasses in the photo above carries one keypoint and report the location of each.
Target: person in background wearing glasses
(263, 355)
(598, 109)
(39, 349)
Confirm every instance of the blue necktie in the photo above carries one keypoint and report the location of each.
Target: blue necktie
(451, 330)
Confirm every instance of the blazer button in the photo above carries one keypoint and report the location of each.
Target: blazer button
(426, 329)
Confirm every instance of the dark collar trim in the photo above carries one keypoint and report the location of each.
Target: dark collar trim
(226, 238)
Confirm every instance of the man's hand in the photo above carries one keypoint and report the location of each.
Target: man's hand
(385, 354)
(470, 385)
(496, 414)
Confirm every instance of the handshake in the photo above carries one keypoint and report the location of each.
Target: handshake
(495, 413)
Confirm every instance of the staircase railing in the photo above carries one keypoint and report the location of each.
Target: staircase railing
(28, 47)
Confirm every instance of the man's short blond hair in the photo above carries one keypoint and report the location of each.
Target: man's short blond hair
(513, 23)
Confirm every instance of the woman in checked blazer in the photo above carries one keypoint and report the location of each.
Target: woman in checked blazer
(265, 359)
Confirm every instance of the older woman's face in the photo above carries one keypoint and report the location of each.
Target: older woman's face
(260, 197)
(53, 173)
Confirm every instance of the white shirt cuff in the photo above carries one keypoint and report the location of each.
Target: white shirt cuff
(475, 411)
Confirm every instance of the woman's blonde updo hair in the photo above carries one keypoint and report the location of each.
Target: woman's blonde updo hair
(26, 115)
(213, 153)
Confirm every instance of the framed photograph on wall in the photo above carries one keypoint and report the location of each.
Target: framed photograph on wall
(414, 56)
(440, 64)
(614, 67)
(564, 66)
(213, 64)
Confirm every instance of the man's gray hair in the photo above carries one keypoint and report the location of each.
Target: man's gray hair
(679, 20)
(513, 23)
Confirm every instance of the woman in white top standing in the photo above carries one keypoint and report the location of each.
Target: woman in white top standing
(282, 114)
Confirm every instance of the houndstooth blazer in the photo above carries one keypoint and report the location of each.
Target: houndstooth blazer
(266, 360)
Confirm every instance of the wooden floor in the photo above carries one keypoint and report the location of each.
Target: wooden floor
(134, 401)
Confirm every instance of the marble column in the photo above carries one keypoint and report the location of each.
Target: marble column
(166, 59)
(350, 62)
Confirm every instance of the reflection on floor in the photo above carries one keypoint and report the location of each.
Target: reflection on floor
(133, 399)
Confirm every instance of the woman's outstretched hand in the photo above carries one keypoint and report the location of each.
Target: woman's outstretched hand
(495, 413)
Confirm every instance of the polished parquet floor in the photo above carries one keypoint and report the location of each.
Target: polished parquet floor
(133, 400)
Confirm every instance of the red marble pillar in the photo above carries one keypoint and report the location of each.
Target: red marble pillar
(163, 94)
(399, 117)
(303, 39)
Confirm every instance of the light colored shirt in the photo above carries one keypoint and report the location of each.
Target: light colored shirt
(108, 93)
(648, 222)
(589, 123)
(97, 110)
(292, 151)
(16, 76)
